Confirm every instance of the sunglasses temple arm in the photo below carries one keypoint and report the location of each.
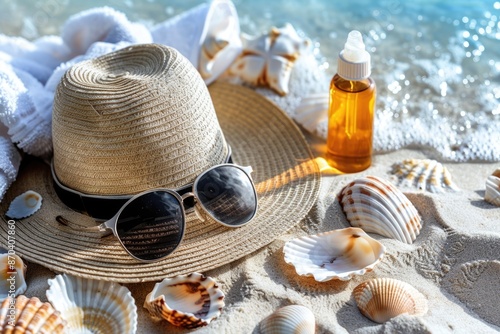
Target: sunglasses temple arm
(104, 229)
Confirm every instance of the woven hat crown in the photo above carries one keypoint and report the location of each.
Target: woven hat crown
(135, 119)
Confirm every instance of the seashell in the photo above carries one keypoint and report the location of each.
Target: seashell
(338, 254)
(24, 205)
(375, 205)
(268, 59)
(91, 306)
(289, 319)
(424, 174)
(492, 192)
(208, 35)
(188, 301)
(312, 112)
(381, 299)
(12, 272)
(30, 315)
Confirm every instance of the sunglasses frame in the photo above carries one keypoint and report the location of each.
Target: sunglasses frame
(111, 224)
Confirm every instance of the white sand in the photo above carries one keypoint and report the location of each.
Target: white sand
(454, 262)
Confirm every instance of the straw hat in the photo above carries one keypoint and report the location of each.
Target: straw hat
(161, 128)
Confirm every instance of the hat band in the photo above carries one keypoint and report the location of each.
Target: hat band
(102, 207)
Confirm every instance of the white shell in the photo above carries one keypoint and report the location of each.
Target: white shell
(31, 316)
(268, 59)
(424, 174)
(381, 299)
(338, 254)
(492, 192)
(312, 113)
(91, 306)
(377, 206)
(208, 35)
(289, 319)
(12, 270)
(188, 301)
(24, 205)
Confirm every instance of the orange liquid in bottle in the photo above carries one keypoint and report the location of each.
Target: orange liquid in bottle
(350, 124)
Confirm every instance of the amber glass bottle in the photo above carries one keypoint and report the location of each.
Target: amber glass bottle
(351, 110)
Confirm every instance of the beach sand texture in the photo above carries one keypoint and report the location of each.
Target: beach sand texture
(454, 263)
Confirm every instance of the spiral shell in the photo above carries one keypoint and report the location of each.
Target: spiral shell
(338, 254)
(381, 299)
(91, 306)
(188, 301)
(24, 205)
(492, 192)
(289, 319)
(29, 315)
(375, 205)
(424, 174)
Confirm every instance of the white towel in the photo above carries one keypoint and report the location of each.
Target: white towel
(26, 110)
(9, 164)
(101, 24)
(48, 51)
(199, 33)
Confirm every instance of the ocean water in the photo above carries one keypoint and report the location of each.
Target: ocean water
(436, 63)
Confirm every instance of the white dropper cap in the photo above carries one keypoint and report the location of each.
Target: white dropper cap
(354, 60)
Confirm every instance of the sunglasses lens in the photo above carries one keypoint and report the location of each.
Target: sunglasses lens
(228, 195)
(151, 226)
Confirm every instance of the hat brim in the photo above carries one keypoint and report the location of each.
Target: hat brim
(261, 135)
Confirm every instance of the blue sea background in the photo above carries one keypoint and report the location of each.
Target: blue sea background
(436, 63)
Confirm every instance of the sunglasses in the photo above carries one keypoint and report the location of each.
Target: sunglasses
(151, 224)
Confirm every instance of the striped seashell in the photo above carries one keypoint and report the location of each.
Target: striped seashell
(92, 306)
(381, 299)
(289, 319)
(375, 205)
(424, 174)
(338, 254)
(29, 315)
(492, 192)
(187, 301)
(24, 205)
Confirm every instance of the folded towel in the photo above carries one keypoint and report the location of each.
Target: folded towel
(26, 110)
(208, 35)
(9, 164)
(40, 72)
(101, 24)
(48, 51)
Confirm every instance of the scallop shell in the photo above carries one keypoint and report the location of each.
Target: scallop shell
(188, 301)
(424, 174)
(381, 299)
(24, 205)
(377, 206)
(12, 270)
(29, 315)
(492, 193)
(91, 306)
(267, 60)
(338, 254)
(289, 319)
